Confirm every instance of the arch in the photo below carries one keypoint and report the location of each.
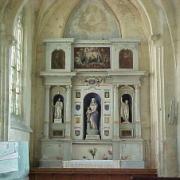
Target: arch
(8, 18)
(46, 13)
(92, 20)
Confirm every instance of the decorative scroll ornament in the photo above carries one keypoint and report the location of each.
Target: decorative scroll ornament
(93, 81)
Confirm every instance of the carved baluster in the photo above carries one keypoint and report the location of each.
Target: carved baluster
(116, 113)
(68, 112)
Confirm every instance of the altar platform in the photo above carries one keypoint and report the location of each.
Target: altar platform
(89, 173)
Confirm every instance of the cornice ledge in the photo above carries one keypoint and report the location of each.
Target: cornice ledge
(127, 73)
(52, 74)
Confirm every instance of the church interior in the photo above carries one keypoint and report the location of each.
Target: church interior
(89, 88)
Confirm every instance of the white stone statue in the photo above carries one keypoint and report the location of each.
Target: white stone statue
(88, 114)
(92, 114)
(58, 110)
(125, 110)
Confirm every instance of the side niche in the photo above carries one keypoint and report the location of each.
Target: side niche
(126, 108)
(58, 59)
(126, 114)
(126, 59)
(57, 112)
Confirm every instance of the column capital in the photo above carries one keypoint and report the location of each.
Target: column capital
(156, 37)
(115, 86)
(68, 87)
(137, 86)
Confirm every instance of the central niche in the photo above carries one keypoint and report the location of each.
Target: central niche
(92, 116)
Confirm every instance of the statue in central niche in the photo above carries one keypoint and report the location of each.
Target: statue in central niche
(92, 114)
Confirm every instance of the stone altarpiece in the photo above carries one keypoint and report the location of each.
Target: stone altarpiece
(92, 102)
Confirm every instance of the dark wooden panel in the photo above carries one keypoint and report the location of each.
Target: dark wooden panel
(89, 174)
(41, 177)
(117, 177)
(153, 178)
(62, 177)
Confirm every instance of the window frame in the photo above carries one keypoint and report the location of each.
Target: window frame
(16, 70)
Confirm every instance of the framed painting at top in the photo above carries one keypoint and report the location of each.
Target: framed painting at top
(92, 57)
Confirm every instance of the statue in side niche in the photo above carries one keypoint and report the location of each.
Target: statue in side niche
(58, 111)
(125, 110)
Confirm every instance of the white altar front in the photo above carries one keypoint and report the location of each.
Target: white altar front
(102, 164)
(91, 164)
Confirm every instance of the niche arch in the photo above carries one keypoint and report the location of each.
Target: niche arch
(86, 103)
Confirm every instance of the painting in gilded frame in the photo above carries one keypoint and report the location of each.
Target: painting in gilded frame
(126, 59)
(92, 57)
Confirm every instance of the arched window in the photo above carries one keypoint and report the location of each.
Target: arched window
(16, 68)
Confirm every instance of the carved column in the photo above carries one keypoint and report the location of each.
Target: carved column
(46, 108)
(115, 123)
(68, 113)
(116, 113)
(137, 111)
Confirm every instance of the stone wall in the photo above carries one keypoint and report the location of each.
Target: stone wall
(155, 23)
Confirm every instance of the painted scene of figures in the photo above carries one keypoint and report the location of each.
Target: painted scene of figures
(92, 57)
